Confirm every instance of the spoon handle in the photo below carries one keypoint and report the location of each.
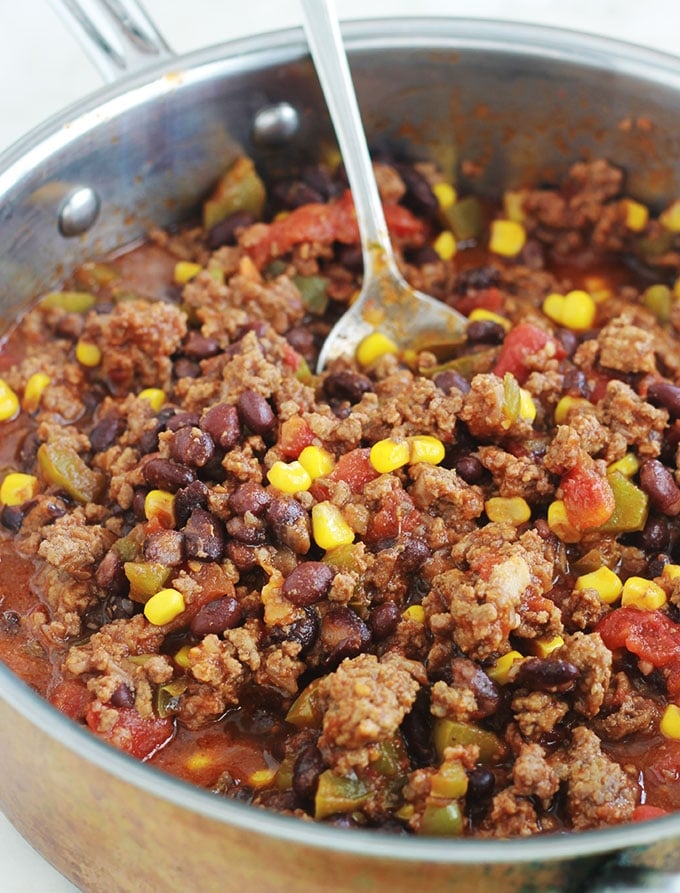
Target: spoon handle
(328, 52)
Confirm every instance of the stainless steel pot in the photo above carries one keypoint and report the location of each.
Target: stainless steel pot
(521, 103)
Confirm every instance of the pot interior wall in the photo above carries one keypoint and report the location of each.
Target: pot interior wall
(492, 115)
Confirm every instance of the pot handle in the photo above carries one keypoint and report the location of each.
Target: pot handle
(117, 35)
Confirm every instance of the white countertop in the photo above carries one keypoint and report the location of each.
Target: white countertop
(43, 69)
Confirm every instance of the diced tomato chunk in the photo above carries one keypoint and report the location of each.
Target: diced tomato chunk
(131, 732)
(646, 811)
(588, 496)
(295, 435)
(355, 469)
(484, 299)
(71, 697)
(520, 343)
(325, 223)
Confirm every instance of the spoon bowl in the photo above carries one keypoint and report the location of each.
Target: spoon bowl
(386, 302)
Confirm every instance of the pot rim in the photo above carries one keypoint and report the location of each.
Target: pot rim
(275, 47)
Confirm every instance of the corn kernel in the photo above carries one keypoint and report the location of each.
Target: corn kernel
(181, 657)
(388, 455)
(507, 237)
(9, 402)
(34, 389)
(527, 407)
(155, 397)
(604, 581)
(374, 346)
(545, 647)
(160, 505)
(415, 612)
(500, 671)
(659, 299)
(185, 271)
(637, 215)
(671, 571)
(670, 217)
(643, 594)
(445, 194)
(17, 488)
(676, 288)
(670, 722)
(598, 287)
(329, 528)
(480, 313)
(405, 812)
(289, 477)
(88, 354)
(199, 761)
(164, 606)
(261, 778)
(316, 461)
(575, 310)
(507, 509)
(425, 448)
(559, 524)
(445, 244)
(627, 465)
(566, 405)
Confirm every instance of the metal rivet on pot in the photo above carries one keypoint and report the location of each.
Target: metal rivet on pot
(275, 125)
(78, 211)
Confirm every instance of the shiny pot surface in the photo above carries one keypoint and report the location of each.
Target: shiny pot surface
(519, 102)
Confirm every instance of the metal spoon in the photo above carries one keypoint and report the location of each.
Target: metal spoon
(386, 303)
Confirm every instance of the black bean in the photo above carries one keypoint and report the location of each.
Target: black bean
(28, 451)
(663, 393)
(417, 729)
(303, 341)
(383, 620)
(165, 547)
(307, 768)
(204, 536)
(350, 257)
(106, 432)
(304, 631)
(163, 474)
(199, 347)
(415, 552)
(321, 180)
(451, 381)
(194, 496)
(343, 634)
(656, 534)
(477, 278)
(182, 419)
(574, 382)
(185, 368)
(291, 194)
(424, 254)
(110, 575)
(470, 469)
(656, 564)
(255, 413)
(485, 331)
(226, 231)
(418, 197)
(12, 517)
(466, 674)
(249, 497)
(481, 784)
(251, 534)
(243, 557)
(347, 385)
(221, 422)
(659, 484)
(192, 447)
(216, 616)
(307, 583)
(547, 674)
(123, 696)
(289, 523)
